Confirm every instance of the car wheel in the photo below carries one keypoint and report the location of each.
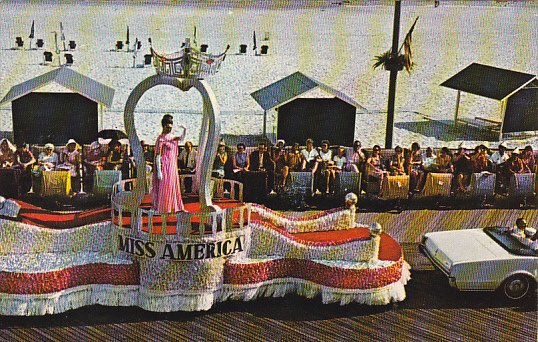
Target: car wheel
(516, 287)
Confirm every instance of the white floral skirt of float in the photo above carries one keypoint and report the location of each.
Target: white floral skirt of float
(72, 298)
(280, 287)
(133, 295)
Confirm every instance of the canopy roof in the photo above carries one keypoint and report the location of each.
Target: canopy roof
(292, 86)
(68, 78)
(488, 81)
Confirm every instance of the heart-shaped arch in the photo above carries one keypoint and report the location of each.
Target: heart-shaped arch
(207, 146)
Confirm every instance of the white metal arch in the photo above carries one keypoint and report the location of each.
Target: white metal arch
(207, 146)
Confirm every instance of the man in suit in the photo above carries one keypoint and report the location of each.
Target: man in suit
(261, 160)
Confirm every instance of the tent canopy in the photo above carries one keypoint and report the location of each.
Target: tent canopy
(487, 81)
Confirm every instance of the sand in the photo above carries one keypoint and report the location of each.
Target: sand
(333, 44)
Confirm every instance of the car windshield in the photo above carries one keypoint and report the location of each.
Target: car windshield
(509, 242)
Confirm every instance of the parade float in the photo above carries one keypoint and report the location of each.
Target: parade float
(218, 249)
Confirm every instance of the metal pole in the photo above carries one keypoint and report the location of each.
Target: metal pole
(264, 123)
(393, 75)
(456, 112)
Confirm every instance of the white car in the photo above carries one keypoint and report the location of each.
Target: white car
(486, 259)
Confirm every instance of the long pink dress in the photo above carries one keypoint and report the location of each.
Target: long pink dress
(166, 192)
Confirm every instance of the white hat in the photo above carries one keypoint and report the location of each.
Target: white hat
(95, 145)
(503, 144)
(71, 141)
(49, 146)
(530, 232)
(281, 141)
(516, 150)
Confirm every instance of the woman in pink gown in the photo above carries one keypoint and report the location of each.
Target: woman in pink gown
(166, 192)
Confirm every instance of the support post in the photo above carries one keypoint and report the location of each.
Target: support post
(264, 124)
(456, 112)
(393, 75)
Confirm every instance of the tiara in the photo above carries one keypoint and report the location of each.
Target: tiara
(189, 62)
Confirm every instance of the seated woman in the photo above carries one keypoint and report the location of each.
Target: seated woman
(240, 162)
(515, 163)
(416, 171)
(340, 159)
(23, 160)
(295, 159)
(114, 158)
(94, 158)
(374, 166)
(444, 161)
(396, 163)
(6, 153)
(327, 173)
(280, 157)
(480, 161)
(310, 155)
(222, 162)
(70, 160)
(357, 160)
(529, 160)
(462, 169)
(47, 160)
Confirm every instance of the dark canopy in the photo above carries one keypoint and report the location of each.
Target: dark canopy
(488, 81)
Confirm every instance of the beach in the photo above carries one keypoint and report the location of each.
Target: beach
(332, 44)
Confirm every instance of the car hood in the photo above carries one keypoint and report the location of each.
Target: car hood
(466, 245)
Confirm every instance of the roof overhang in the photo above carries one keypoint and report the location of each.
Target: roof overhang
(66, 78)
(294, 86)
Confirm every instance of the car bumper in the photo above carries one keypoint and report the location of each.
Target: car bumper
(437, 264)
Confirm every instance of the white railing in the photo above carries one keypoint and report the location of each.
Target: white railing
(220, 186)
(187, 224)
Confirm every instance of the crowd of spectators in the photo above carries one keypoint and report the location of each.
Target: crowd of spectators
(275, 163)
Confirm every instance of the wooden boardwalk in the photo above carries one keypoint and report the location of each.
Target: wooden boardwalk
(432, 311)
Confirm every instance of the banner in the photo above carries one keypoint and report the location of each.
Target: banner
(180, 251)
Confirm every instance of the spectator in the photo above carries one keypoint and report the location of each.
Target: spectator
(529, 160)
(47, 160)
(114, 159)
(429, 161)
(374, 166)
(94, 158)
(480, 161)
(295, 158)
(444, 161)
(70, 160)
(280, 157)
(310, 157)
(357, 160)
(148, 156)
(499, 161)
(396, 163)
(515, 163)
(260, 160)
(23, 160)
(462, 169)
(499, 157)
(187, 159)
(416, 171)
(6, 153)
(340, 159)
(325, 164)
(222, 162)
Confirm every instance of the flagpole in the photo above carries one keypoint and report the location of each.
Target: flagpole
(393, 75)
